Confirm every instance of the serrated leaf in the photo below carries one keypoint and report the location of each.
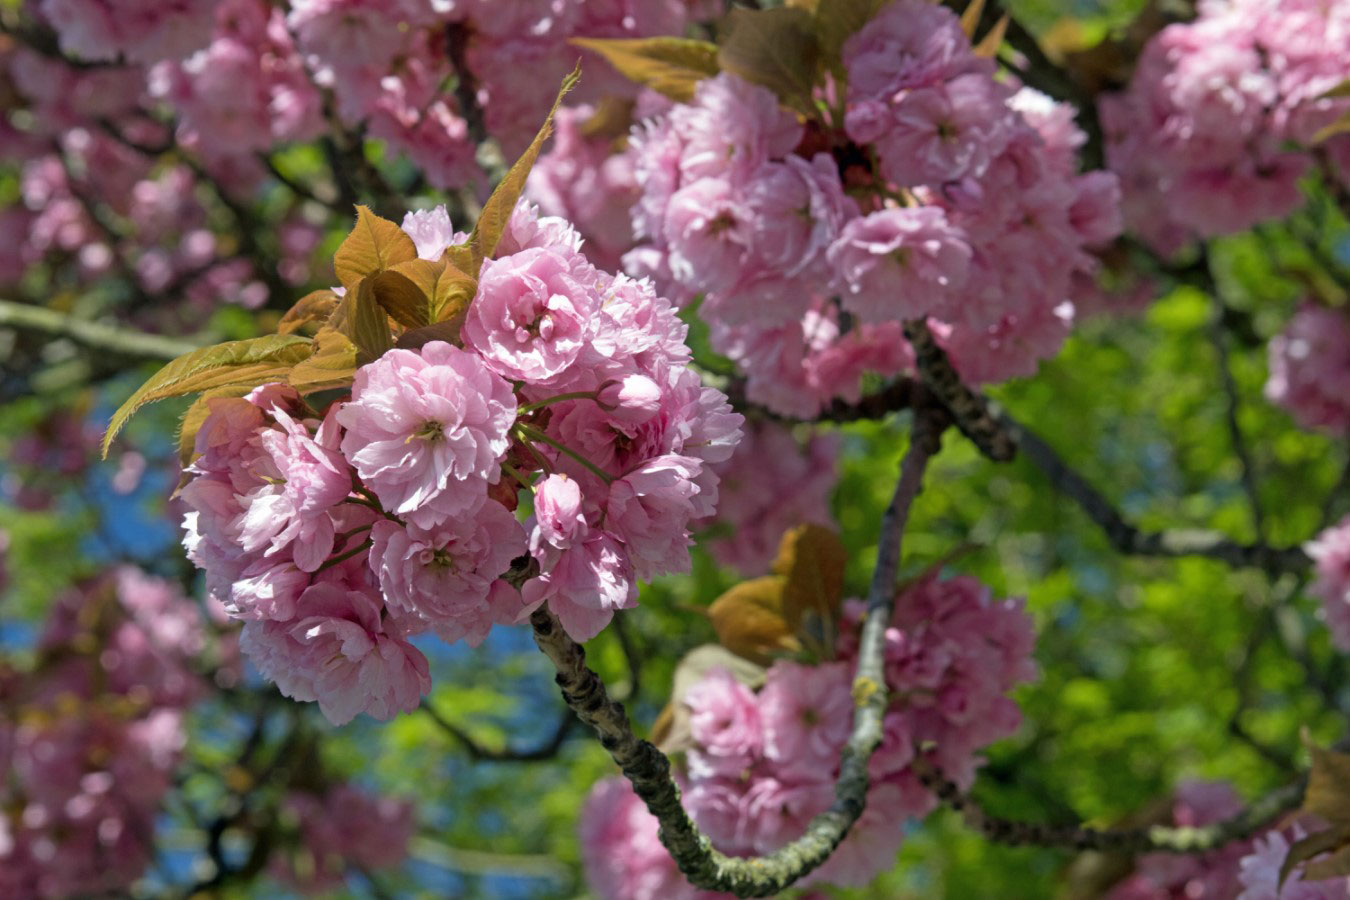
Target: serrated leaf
(612, 119)
(361, 319)
(1333, 840)
(332, 365)
(668, 65)
(749, 619)
(462, 257)
(316, 306)
(375, 244)
(1340, 126)
(775, 48)
(812, 559)
(407, 291)
(1328, 791)
(970, 18)
(670, 731)
(498, 208)
(989, 44)
(1340, 90)
(448, 331)
(251, 362)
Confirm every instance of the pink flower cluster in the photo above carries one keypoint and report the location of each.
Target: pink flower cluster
(1330, 552)
(343, 828)
(89, 738)
(1201, 138)
(1310, 368)
(772, 483)
(337, 538)
(763, 764)
(809, 258)
(1259, 870)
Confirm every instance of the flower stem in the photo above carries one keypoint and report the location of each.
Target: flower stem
(530, 433)
(549, 401)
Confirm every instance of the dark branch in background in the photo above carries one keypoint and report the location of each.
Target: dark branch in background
(648, 769)
(969, 410)
(1219, 338)
(466, 88)
(1157, 838)
(546, 749)
(122, 342)
(1129, 539)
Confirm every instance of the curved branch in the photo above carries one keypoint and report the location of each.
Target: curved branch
(1151, 839)
(648, 769)
(1129, 539)
(969, 410)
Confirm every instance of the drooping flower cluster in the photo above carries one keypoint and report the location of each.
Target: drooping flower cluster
(1310, 369)
(337, 538)
(809, 255)
(764, 763)
(341, 829)
(772, 482)
(1202, 137)
(1330, 552)
(89, 738)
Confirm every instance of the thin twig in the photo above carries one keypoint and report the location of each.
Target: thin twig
(1129, 539)
(648, 769)
(969, 410)
(547, 749)
(1219, 338)
(1156, 838)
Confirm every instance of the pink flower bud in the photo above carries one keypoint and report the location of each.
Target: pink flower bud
(633, 400)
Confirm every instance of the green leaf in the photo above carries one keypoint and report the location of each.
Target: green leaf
(836, 21)
(252, 362)
(775, 48)
(375, 244)
(1340, 90)
(332, 365)
(407, 291)
(668, 65)
(498, 208)
(1339, 126)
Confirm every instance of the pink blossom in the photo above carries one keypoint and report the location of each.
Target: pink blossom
(724, 722)
(337, 652)
(445, 575)
(1260, 872)
(731, 128)
(530, 316)
(806, 711)
(753, 512)
(559, 519)
(425, 431)
(908, 44)
(707, 230)
(584, 585)
(649, 509)
(345, 826)
(1330, 553)
(431, 231)
(142, 31)
(632, 400)
(1310, 368)
(901, 264)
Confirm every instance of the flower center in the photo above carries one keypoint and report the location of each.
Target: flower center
(430, 431)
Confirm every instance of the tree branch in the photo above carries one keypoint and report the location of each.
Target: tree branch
(1152, 839)
(1129, 539)
(969, 410)
(94, 335)
(648, 769)
(547, 749)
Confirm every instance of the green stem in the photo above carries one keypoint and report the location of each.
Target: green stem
(530, 433)
(515, 473)
(328, 564)
(548, 401)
